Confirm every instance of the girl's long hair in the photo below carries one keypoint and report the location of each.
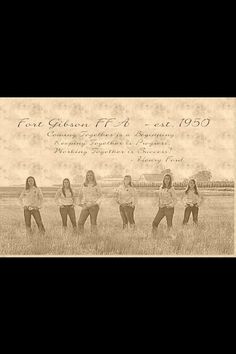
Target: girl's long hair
(27, 186)
(130, 182)
(164, 184)
(195, 187)
(86, 182)
(63, 187)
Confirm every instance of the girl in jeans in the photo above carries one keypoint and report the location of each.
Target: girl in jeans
(89, 199)
(166, 200)
(126, 197)
(65, 199)
(31, 200)
(192, 201)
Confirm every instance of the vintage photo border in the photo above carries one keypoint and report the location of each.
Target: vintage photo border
(134, 256)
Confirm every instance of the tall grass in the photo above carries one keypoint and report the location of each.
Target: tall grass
(213, 235)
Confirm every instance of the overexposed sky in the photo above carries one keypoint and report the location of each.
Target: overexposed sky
(30, 151)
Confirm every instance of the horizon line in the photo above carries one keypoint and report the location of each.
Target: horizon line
(135, 181)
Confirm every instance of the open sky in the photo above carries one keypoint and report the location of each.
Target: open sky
(28, 151)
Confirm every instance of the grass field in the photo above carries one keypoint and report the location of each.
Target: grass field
(213, 236)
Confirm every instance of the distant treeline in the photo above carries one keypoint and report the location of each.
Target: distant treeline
(205, 184)
(201, 184)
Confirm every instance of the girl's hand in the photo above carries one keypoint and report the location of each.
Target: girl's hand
(129, 204)
(85, 205)
(32, 208)
(171, 205)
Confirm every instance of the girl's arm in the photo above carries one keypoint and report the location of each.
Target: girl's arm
(57, 197)
(184, 199)
(74, 198)
(99, 195)
(40, 197)
(117, 195)
(135, 197)
(157, 197)
(21, 198)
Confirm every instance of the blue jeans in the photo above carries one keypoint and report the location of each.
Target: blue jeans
(91, 211)
(127, 215)
(68, 210)
(37, 217)
(168, 213)
(187, 212)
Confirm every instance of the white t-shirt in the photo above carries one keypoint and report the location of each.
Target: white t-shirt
(90, 194)
(32, 197)
(126, 195)
(167, 197)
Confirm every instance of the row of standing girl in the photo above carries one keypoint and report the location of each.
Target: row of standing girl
(90, 196)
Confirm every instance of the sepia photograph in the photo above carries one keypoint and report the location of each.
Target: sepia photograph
(117, 177)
